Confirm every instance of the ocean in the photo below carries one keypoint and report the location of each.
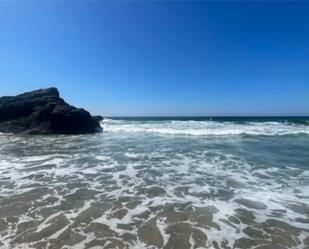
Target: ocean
(159, 182)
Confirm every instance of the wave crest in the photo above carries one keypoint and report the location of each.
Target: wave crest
(205, 128)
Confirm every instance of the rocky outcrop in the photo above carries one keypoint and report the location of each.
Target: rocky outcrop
(44, 112)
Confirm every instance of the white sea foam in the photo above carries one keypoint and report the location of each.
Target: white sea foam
(205, 128)
(96, 177)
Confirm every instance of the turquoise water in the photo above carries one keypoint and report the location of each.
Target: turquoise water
(159, 183)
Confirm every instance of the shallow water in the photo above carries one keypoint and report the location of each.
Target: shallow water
(158, 184)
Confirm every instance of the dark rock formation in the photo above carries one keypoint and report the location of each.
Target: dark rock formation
(98, 118)
(44, 112)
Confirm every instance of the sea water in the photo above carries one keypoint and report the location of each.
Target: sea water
(159, 183)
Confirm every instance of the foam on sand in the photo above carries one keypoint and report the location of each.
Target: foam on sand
(120, 190)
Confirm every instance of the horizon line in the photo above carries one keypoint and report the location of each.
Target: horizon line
(207, 116)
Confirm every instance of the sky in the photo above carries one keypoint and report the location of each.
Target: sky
(160, 58)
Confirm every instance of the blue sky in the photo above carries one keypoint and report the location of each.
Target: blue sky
(160, 58)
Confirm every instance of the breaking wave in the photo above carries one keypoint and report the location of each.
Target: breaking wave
(206, 128)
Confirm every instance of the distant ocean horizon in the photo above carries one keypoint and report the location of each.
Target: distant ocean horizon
(212, 118)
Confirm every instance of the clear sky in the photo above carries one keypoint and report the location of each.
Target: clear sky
(160, 58)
